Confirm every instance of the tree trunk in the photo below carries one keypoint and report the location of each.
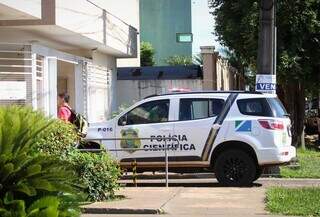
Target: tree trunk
(294, 100)
(318, 116)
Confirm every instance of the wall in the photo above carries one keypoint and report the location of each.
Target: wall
(90, 21)
(28, 9)
(83, 18)
(78, 23)
(129, 16)
(127, 10)
(87, 20)
(227, 76)
(160, 20)
(129, 91)
(218, 74)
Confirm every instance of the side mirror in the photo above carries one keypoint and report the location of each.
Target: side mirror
(122, 121)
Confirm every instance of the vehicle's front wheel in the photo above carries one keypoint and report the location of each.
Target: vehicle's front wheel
(235, 168)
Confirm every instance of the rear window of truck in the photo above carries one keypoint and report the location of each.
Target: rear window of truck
(266, 107)
(254, 107)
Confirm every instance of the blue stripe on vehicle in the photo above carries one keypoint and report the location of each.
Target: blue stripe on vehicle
(244, 126)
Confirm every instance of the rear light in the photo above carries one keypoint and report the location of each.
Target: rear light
(271, 124)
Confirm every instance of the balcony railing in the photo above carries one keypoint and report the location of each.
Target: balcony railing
(117, 32)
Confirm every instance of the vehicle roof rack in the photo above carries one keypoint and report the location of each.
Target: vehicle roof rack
(204, 92)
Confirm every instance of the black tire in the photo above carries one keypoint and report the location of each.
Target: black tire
(259, 172)
(235, 168)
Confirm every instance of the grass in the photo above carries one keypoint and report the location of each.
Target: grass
(294, 201)
(309, 161)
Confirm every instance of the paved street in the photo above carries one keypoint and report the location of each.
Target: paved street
(201, 198)
(180, 201)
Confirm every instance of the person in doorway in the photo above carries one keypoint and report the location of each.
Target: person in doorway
(64, 110)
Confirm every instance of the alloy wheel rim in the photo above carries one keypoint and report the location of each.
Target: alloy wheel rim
(234, 169)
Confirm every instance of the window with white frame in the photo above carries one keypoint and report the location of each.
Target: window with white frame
(98, 93)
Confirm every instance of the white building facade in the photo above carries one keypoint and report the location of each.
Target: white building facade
(52, 46)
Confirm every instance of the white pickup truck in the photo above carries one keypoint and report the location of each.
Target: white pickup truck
(233, 134)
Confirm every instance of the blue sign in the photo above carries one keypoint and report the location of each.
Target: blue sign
(265, 86)
(266, 83)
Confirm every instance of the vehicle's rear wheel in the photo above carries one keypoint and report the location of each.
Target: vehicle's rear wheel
(235, 168)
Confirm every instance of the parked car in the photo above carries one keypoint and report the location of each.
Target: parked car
(233, 134)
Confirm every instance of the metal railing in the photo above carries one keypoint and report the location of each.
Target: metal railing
(117, 30)
(165, 149)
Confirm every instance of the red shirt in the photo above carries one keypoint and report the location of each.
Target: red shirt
(64, 113)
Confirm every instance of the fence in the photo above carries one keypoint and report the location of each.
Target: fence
(166, 149)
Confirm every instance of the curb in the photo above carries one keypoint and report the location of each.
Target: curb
(94, 210)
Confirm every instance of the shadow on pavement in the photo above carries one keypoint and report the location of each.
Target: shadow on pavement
(184, 184)
(175, 180)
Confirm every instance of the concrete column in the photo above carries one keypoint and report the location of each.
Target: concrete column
(46, 89)
(52, 76)
(79, 88)
(34, 82)
(209, 67)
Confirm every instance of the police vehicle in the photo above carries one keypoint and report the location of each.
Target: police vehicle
(233, 134)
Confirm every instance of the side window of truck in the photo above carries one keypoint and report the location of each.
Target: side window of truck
(193, 109)
(149, 112)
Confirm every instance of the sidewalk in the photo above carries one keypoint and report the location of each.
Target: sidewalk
(196, 201)
(138, 201)
(182, 201)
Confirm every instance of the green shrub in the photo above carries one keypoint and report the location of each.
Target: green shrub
(47, 206)
(26, 176)
(99, 173)
(147, 54)
(177, 60)
(57, 139)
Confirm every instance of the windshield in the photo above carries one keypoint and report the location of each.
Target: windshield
(277, 107)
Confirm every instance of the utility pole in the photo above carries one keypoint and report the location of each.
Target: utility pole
(266, 80)
(266, 64)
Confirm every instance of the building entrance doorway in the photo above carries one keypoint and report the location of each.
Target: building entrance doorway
(66, 80)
